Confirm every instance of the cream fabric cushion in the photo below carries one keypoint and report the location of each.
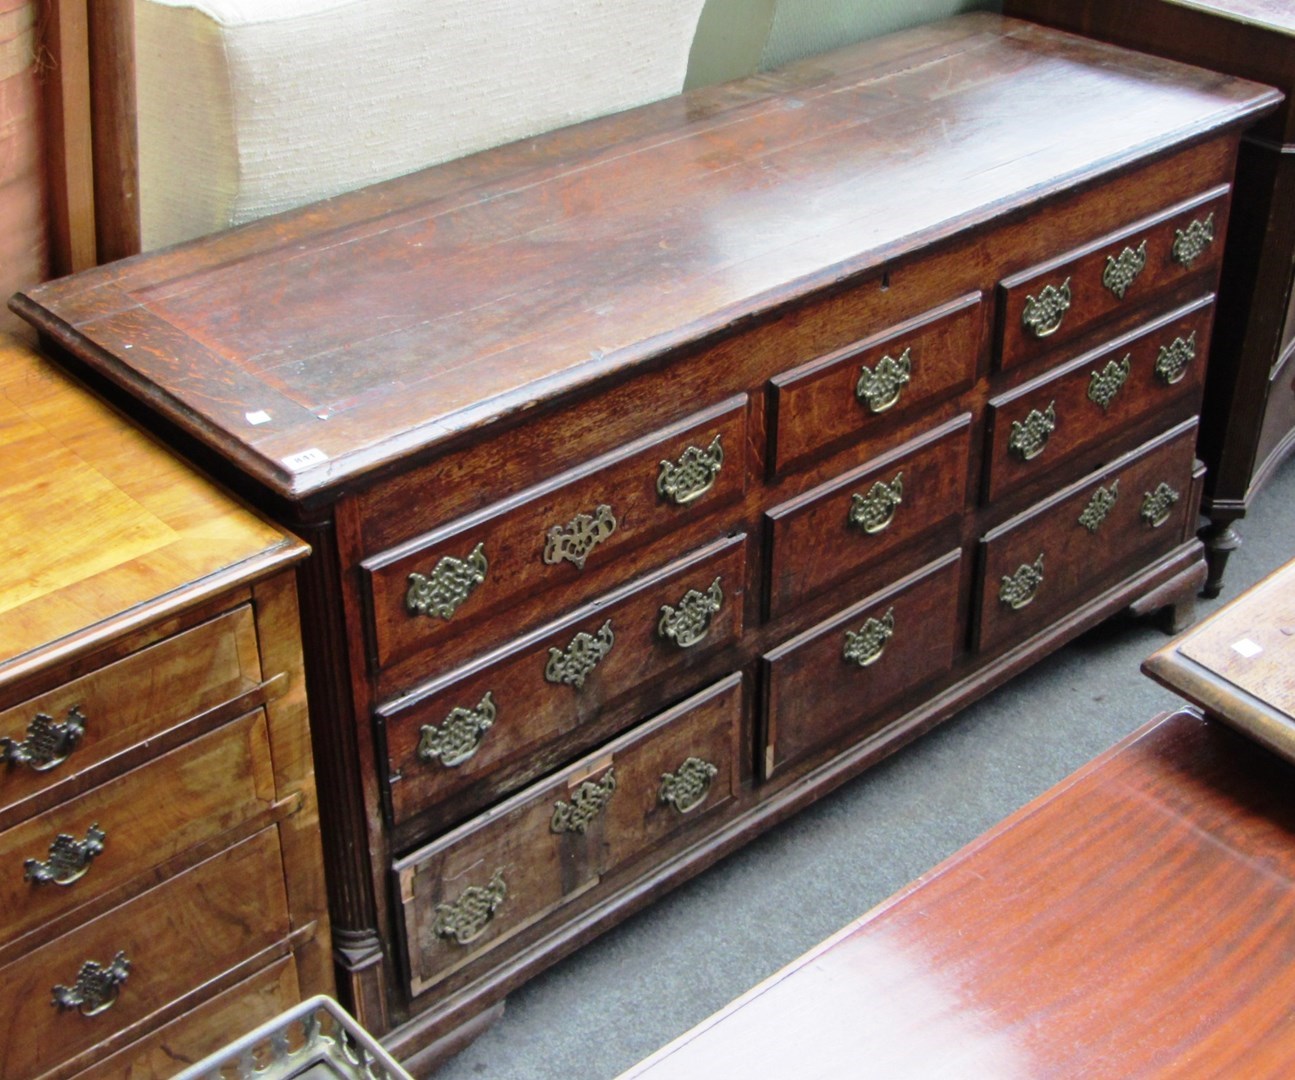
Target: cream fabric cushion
(247, 107)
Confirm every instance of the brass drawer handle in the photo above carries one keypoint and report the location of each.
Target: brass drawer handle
(465, 919)
(881, 389)
(579, 536)
(1105, 384)
(689, 622)
(48, 743)
(1122, 270)
(451, 582)
(1101, 504)
(694, 474)
(1158, 505)
(1018, 589)
(96, 987)
(1190, 243)
(589, 800)
(1042, 316)
(865, 646)
(586, 651)
(1173, 359)
(459, 736)
(1029, 436)
(69, 858)
(876, 510)
(688, 786)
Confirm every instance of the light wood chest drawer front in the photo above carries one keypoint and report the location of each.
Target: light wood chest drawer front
(1090, 400)
(149, 951)
(67, 857)
(888, 376)
(480, 885)
(481, 732)
(867, 514)
(1059, 551)
(842, 673)
(1053, 302)
(93, 718)
(546, 537)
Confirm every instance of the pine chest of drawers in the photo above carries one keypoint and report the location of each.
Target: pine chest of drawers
(667, 470)
(161, 873)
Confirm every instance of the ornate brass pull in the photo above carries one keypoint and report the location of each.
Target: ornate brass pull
(1190, 243)
(1105, 384)
(580, 658)
(579, 536)
(1123, 269)
(881, 389)
(588, 801)
(874, 511)
(48, 742)
(865, 646)
(96, 987)
(688, 479)
(1158, 505)
(69, 858)
(1030, 436)
(465, 919)
(459, 736)
(1018, 589)
(451, 582)
(1173, 359)
(687, 787)
(1099, 506)
(1042, 316)
(689, 622)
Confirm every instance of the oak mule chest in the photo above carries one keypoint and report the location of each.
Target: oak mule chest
(665, 471)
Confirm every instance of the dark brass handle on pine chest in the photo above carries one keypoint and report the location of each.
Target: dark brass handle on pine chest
(1122, 270)
(688, 622)
(1041, 316)
(451, 582)
(69, 858)
(1102, 502)
(1173, 359)
(688, 479)
(1105, 384)
(574, 541)
(464, 920)
(96, 988)
(1190, 243)
(48, 742)
(874, 511)
(572, 665)
(1019, 589)
(1030, 436)
(586, 803)
(459, 736)
(1158, 505)
(688, 786)
(864, 646)
(880, 388)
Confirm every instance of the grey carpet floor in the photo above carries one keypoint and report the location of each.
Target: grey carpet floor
(668, 968)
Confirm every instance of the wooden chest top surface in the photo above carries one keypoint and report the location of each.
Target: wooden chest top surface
(314, 347)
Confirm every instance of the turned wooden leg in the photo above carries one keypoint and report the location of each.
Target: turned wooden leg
(1220, 541)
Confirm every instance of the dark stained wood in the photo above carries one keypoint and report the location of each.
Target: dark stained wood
(113, 127)
(1071, 940)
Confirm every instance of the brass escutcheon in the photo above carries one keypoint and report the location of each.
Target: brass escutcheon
(1029, 436)
(459, 736)
(1105, 384)
(694, 474)
(1042, 316)
(1101, 504)
(69, 858)
(451, 582)
(465, 919)
(588, 801)
(48, 743)
(1158, 505)
(1190, 243)
(572, 666)
(1018, 589)
(1123, 269)
(881, 389)
(578, 537)
(1173, 359)
(865, 646)
(689, 621)
(688, 786)
(96, 988)
(876, 510)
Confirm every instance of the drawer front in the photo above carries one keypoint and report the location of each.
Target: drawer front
(1053, 302)
(173, 938)
(71, 855)
(879, 381)
(482, 732)
(483, 883)
(99, 715)
(550, 536)
(842, 674)
(868, 514)
(1065, 549)
(1089, 401)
